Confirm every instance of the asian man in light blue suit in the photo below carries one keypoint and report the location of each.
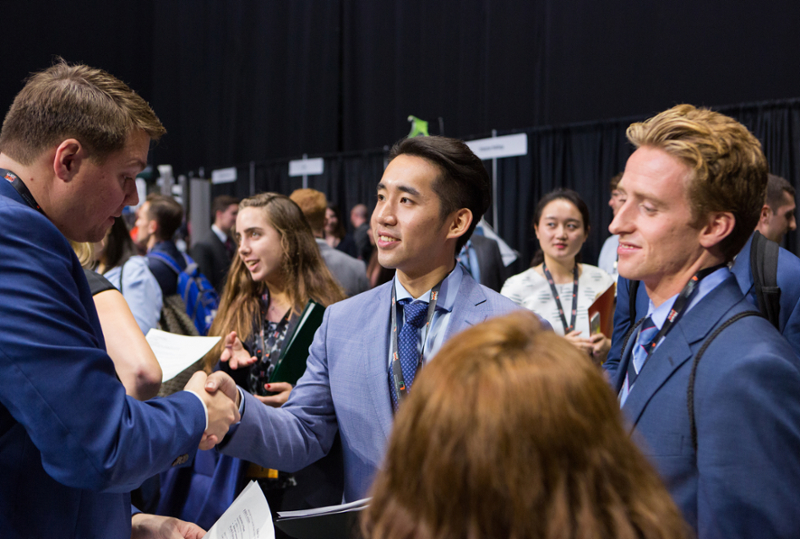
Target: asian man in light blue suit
(723, 431)
(431, 196)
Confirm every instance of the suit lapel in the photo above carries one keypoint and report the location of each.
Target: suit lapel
(676, 348)
(741, 268)
(468, 309)
(376, 360)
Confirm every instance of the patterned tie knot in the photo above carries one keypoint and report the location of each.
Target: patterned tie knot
(415, 313)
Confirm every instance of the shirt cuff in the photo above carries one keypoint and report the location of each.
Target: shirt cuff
(205, 408)
(241, 401)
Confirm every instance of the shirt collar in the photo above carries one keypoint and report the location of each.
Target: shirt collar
(220, 234)
(710, 282)
(447, 293)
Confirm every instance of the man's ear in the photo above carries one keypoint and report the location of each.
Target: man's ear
(459, 223)
(766, 215)
(719, 226)
(152, 227)
(69, 157)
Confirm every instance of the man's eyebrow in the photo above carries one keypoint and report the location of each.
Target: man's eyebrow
(401, 188)
(407, 189)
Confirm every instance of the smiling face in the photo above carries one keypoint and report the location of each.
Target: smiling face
(561, 231)
(659, 243)
(259, 246)
(409, 231)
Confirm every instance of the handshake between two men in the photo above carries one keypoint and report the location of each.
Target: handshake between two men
(221, 398)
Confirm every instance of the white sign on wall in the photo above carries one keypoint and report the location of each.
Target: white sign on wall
(306, 167)
(223, 175)
(497, 147)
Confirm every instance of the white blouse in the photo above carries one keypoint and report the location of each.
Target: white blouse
(531, 290)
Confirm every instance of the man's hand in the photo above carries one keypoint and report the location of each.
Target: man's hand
(283, 389)
(235, 353)
(156, 527)
(222, 411)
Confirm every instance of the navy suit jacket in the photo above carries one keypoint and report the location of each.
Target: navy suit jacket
(213, 260)
(72, 444)
(346, 387)
(788, 281)
(744, 479)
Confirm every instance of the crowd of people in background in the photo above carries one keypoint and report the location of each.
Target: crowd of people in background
(466, 401)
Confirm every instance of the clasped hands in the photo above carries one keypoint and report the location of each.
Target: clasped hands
(221, 397)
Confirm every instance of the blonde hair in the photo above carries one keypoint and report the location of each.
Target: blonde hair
(510, 431)
(729, 170)
(85, 253)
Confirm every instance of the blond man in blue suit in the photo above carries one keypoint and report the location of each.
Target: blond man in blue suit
(431, 196)
(722, 431)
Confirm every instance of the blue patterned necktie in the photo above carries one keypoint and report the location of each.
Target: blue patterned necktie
(407, 343)
(641, 350)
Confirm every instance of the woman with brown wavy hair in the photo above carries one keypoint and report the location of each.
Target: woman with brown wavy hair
(278, 271)
(511, 432)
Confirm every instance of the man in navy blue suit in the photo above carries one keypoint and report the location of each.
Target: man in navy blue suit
(72, 444)
(724, 431)
(776, 219)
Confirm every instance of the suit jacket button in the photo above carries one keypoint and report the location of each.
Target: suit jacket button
(183, 459)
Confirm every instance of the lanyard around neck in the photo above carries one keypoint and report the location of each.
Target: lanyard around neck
(21, 188)
(681, 302)
(571, 326)
(397, 372)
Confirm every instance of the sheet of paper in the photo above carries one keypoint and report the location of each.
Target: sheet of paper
(248, 517)
(329, 510)
(176, 352)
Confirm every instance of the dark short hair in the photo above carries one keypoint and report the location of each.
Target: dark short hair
(221, 203)
(75, 101)
(166, 212)
(614, 181)
(776, 186)
(570, 196)
(119, 246)
(463, 182)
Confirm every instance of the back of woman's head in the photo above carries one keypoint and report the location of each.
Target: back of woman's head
(512, 432)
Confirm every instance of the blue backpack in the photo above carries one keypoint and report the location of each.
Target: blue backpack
(195, 290)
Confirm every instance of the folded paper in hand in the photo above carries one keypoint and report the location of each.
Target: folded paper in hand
(248, 517)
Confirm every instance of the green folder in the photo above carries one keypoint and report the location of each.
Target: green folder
(292, 363)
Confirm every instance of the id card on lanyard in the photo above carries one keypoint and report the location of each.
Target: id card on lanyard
(397, 372)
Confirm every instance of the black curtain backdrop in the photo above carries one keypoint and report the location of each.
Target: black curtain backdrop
(579, 156)
(247, 80)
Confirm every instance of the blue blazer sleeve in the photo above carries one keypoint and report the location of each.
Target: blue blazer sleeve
(59, 383)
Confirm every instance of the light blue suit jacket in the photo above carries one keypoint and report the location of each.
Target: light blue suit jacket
(744, 478)
(345, 387)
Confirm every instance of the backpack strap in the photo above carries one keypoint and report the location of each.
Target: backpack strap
(764, 268)
(697, 357)
(168, 260)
